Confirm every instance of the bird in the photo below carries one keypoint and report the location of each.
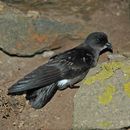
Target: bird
(62, 71)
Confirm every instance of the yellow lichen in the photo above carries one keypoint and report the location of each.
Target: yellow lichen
(107, 70)
(107, 95)
(127, 89)
(105, 124)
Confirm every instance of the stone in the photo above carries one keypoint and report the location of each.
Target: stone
(21, 124)
(29, 34)
(103, 99)
(44, 22)
(115, 56)
(33, 14)
(1, 7)
(48, 54)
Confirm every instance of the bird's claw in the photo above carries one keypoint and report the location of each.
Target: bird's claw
(73, 87)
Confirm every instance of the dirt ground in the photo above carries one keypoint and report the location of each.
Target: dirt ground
(16, 114)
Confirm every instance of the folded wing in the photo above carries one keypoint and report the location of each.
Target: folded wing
(40, 77)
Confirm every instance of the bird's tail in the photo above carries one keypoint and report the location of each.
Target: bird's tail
(40, 97)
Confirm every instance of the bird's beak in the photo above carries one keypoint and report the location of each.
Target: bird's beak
(109, 47)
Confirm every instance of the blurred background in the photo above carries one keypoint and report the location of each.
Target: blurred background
(33, 30)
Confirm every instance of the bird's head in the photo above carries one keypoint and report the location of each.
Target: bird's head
(99, 42)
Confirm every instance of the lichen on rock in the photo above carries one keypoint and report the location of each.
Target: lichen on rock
(107, 95)
(103, 100)
(127, 89)
(106, 71)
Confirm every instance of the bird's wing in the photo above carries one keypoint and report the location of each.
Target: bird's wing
(76, 61)
(40, 77)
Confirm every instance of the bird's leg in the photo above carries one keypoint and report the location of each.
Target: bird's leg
(73, 87)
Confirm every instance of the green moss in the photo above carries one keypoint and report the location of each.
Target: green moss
(107, 95)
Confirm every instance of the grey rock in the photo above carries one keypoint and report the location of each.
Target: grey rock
(22, 34)
(39, 28)
(103, 100)
(129, 8)
(48, 54)
(115, 56)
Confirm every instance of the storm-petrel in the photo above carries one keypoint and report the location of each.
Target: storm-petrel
(62, 71)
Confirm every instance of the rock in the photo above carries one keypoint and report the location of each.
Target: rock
(33, 14)
(21, 124)
(115, 56)
(1, 7)
(48, 54)
(28, 34)
(1, 103)
(37, 30)
(126, 54)
(14, 123)
(129, 8)
(103, 100)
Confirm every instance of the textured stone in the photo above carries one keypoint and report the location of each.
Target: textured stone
(103, 100)
(48, 54)
(33, 14)
(26, 34)
(42, 22)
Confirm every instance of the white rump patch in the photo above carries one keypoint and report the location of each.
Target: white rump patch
(63, 82)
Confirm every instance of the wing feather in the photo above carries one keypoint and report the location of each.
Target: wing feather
(42, 76)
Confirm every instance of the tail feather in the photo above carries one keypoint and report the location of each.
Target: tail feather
(39, 98)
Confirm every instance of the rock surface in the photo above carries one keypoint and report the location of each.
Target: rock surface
(103, 100)
(25, 34)
(41, 25)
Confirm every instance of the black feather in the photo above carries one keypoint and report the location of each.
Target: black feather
(41, 77)
(39, 98)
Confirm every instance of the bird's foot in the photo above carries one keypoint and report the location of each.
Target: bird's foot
(73, 87)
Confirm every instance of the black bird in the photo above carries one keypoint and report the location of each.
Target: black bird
(62, 71)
